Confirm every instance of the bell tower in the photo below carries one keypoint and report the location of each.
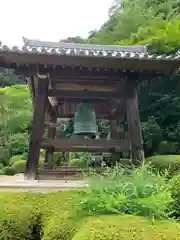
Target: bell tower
(96, 82)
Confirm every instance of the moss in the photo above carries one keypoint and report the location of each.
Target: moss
(126, 227)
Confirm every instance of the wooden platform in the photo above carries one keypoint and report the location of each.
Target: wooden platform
(61, 173)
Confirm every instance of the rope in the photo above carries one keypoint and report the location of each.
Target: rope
(43, 76)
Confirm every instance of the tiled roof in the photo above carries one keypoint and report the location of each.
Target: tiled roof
(88, 50)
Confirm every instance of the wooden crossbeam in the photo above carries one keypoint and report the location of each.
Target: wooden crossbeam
(83, 94)
(81, 145)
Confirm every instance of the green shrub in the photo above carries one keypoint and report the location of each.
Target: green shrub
(126, 228)
(161, 163)
(141, 193)
(166, 147)
(41, 161)
(38, 216)
(82, 163)
(4, 156)
(18, 216)
(54, 216)
(58, 158)
(75, 162)
(19, 166)
(9, 171)
(18, 144)
(175, 191)
(1, 172)
(81, 160)
(15, 158)
(59, 215)
(1, 166)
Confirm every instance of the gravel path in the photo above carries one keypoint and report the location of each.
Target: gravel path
(17, 183)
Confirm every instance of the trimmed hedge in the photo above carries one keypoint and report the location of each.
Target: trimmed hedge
(53, 216)
(19, 166)
(60, 220)
(161, 163)
(126, 227)
(18, 215)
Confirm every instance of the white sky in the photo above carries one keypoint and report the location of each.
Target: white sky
(50, 20)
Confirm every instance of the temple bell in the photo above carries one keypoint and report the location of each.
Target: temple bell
(85, 120)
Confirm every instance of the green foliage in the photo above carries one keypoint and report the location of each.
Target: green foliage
(152, 135)
(162, 35)
(15, 158)
(4, 155)
(165, 163)
(9, 171)
(18, 216)
(18, 144)
(7, 78)
(126, 227)
(41, 161)
(58, 158)
(166, 147)
(54, 216)
(140, 193)
(175, 191)
(60, 218)
(80, 159)
(38, 216)
(19, 166)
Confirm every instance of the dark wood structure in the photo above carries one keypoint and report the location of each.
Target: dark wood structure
(62, 74)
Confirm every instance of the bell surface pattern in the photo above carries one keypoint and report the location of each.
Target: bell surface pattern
(85, 119)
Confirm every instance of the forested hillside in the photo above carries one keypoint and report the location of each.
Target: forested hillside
(152, 22)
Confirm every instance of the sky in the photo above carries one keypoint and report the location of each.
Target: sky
(50, 20)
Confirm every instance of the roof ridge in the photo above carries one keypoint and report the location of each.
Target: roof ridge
(86, 46)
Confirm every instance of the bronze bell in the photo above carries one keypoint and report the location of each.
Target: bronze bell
(85, 120)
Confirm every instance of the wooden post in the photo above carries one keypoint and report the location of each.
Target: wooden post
(51, 135)
(114, 135)
(37, 127)
(133, 120)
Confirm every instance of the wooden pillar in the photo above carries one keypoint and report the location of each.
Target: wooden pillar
(133, 120)
(37, 127)
(50, 151)
(114, 135)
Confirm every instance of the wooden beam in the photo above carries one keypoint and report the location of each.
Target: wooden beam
(52, 110)
(133, 121)
(86, 145)
(82, 94)
(118, 111)
(84, 72)
(92, 87)
(37, 129)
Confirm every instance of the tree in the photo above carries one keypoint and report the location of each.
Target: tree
(15, 111)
